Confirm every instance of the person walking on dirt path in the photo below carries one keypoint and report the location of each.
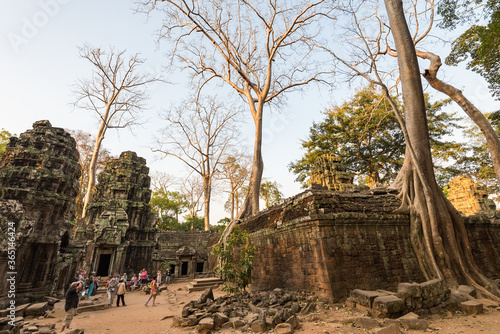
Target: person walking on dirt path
(71, 305)
(120, 293)
(111, 288)
(153, 293)
(169, 277)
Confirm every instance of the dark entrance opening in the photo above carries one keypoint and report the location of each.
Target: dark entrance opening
(184, 268)
(103, 269)
(199, 267)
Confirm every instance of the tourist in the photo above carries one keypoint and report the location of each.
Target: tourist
(133, 282)
(124, 277)
(153, 293)
(120, 293)
(169, 276)
(71, 303)
(158, 277)
(84, 287)
(111, 288)
(144, 277)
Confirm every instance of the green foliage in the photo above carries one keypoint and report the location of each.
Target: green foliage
(365, 134)
(221, 225)
(236, 261)
(479, 46)
(4, 140)
(195, 223)
(168, 205)
(270, 192)
(476, 161)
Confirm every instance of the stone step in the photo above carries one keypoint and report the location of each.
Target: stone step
(201, 284)
(95, 307)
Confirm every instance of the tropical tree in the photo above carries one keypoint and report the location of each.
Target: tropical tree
(365, 134)
(200, 133)
(438, 233)
(270, 192)
(4, 140)
(479, 45)
(168, 205)
(115, 92)
(85, 144)
(258, 49)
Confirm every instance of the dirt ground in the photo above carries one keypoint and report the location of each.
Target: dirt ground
(136, 318)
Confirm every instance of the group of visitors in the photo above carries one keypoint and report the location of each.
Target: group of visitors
(115, 286)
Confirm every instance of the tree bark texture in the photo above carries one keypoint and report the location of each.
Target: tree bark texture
(93, 163)
(438, 233)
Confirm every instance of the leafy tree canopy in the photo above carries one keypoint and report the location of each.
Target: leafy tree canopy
(479, 46)
(476, 161)
(270, 192)
(4, 140)
(365, 134)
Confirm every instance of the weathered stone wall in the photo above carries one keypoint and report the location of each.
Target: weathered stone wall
(174, 248)
(484, 238)
(39, 175)
(333, 242)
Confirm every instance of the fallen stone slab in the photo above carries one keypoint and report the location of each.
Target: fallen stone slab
(283, 329)
(36, 310)
(75, 331)
(95, 307)
(21, 309)
(205, 325)
(415, 324)
(366, 323)
(389, 305)
(433, 288)
(391, 329)
(220, 319)
(471, 307)
(468, 290)
(364, 297)
(409, 290)
(259, 326)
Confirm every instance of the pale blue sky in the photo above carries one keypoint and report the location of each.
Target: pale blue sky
(40, 62)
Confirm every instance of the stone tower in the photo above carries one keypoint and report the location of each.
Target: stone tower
(329, 173)
(117, 230)
(469, 198)
(39, 175)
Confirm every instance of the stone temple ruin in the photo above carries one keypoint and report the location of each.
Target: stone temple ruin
(330, 239)
(39, 175)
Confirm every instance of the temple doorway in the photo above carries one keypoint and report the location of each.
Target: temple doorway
(103, 268)
(184, 268)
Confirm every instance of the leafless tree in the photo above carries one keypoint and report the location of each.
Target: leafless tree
(235, 170)
(115, 92)
(257, 48)
(192, 188)
(163, 181)
(200, 133)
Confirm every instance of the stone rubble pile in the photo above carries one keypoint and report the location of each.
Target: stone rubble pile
(403, 309)
(26, 317)
(256, 311)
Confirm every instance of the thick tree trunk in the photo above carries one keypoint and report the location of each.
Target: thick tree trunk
(251, 204)
(93, 166)
(437, 230)
(232, 204)
(475, 115)
(206, 193)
